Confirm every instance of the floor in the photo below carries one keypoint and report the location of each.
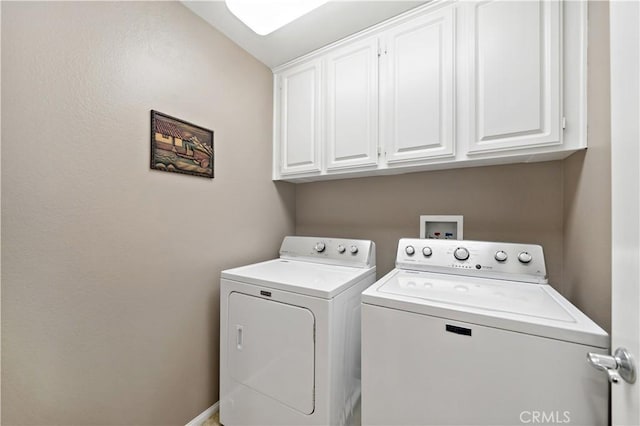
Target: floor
(355, 419)
(213, 420)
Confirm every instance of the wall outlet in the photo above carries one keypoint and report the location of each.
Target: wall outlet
(447, 227)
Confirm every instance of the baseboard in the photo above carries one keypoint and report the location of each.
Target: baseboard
(204, 416)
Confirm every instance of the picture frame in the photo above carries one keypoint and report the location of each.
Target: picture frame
(178, 146)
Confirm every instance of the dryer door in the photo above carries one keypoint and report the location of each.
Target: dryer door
(271, 348)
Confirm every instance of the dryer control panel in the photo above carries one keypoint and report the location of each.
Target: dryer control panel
(332, 251)
(508, 261)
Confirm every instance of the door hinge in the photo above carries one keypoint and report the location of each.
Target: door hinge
(564, 122)
(314, 333)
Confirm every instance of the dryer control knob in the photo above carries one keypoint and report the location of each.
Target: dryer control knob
(501, 256)
(353, 249)
(524, 257)
(427, 251)
(461, 253)
(319, 247)
(341, 248)
(409, 250)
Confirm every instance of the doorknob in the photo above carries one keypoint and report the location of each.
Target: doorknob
(619, 365)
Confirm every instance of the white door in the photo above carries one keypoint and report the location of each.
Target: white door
(417, 88)
(271, 349)
(300, 107)
(352, 105)
(514, 61)
(625, 157)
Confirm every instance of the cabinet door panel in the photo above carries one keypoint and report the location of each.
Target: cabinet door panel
(300, 119)
(418, 87)
(515, 79)
(352, 105)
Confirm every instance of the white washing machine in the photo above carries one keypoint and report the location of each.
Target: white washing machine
(290, 334)
(469, 332)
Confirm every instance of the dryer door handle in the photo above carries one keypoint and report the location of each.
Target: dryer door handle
(239, 336)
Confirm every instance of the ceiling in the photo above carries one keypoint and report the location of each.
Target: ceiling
(324, 25)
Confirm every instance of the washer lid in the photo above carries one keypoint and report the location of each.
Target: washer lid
(524, 307)
(308, 278)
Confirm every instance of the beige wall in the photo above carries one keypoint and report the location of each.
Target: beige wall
(587, 189)
(110, 270)
(519, 203)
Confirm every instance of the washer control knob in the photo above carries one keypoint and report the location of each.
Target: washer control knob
(427, 251)
(409, 250)
(353, 249)
(524, 257)
(501, 256)
(341, 248)
(461, 253)
(319, 247)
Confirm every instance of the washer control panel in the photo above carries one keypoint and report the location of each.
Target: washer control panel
(334, 251)
(509, 261)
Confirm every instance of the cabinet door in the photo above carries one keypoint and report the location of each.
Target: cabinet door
(418, 88)
(515, 74)
(299, 108)
(352, 105)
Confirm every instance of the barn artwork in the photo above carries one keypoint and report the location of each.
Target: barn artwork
(180, 147)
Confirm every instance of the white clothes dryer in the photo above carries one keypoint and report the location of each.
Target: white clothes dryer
(290, 334)
(470, 333)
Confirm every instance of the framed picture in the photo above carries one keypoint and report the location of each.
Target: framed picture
(180, 147)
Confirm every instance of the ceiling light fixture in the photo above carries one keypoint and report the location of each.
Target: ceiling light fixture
(266, 16)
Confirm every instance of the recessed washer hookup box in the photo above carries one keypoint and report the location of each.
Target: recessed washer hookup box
(447, 227)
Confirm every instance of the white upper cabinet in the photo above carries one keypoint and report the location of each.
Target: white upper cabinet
(298, 116)
(352, 105)
(514, 63)
(418, 78)
(448, 84)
